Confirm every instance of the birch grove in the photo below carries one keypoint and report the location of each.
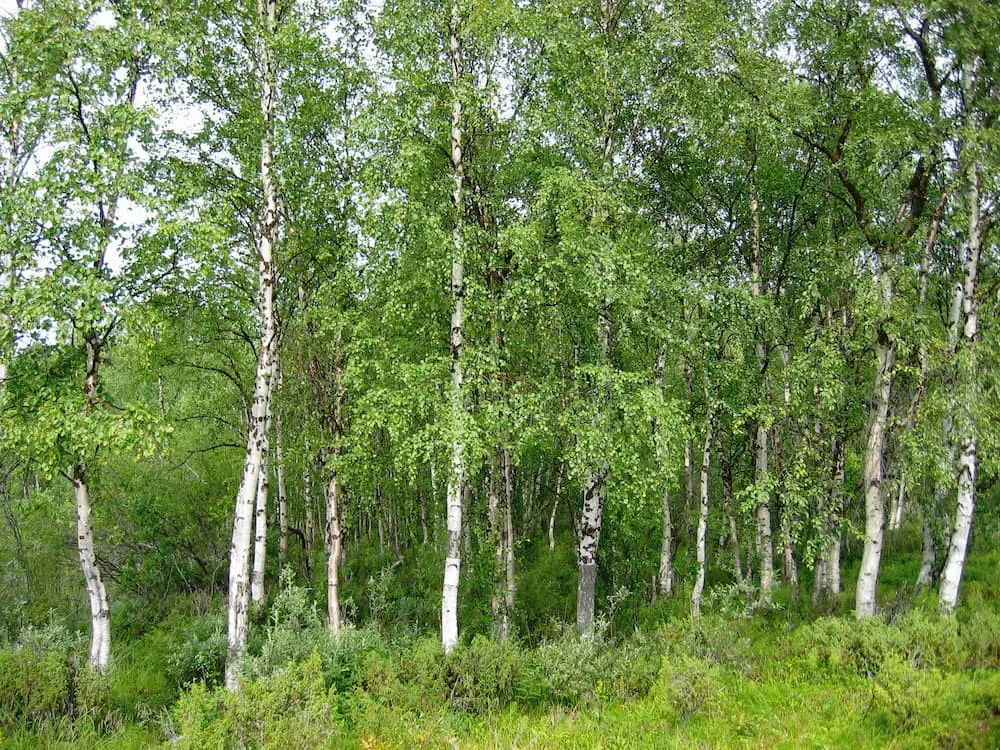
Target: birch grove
(503, 320)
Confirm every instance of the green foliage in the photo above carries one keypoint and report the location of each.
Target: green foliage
(929, 708)
(200, 652)
(35, 676)
(289, 709)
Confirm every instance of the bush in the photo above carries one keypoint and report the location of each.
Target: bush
(288, 709)
(927, 708)
(687, 683)
(201, 654)
(921, 640)
(36, 676)
(483, 676)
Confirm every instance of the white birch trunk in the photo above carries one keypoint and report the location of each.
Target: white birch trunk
(590, 539)
(260, 515)
(928, 556)
(702, 552)
(765, 547)
(100, 613)
(239, 554)
(279, 469)
(555, 507)
(665, 573)
(334, 544)
(966, 403)
(456, 477)
(510, 580)
(866, 602)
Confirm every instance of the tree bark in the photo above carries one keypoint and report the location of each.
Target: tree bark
(665, 573)
(282, 493)
(966, 403)
(334, 542)
(456, 477)
(239, 554)
(702, 556)
(555, 507)
(260, 513)
(100, 613)
(765, 549)
(866, 602)
(593, 511)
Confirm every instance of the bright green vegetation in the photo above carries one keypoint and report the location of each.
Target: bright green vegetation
(515, 373)
(778, 679)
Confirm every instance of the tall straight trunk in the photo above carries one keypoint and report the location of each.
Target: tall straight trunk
(702, 551)
(789, 570)
(966, 401)
(665, 573)
(510, 581)
(555, 507)
(495, 516)
(260, 514)
(307, 504)
(239, 553)
(590, 538)
(928, 554)
(456, 477)
(334, 542)
(897, 509)
(279, 469)
(727, 495)
(591, 518)
(765, 549)
(866, 602)
(827, 579)
(100, 613)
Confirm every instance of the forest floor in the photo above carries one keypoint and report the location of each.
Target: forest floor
(775, 679)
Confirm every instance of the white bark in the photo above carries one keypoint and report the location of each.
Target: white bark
(307, 503)
(239, 554)
(260, 515)
(665, 579)
(456, 477)
(100, 613)
(279, 470)
(928, 556)
(334, 544)
(699, 583)
(592, 516)
(897, 510)
(590, 539)
(951, 576)
(765, 548)
(555, 507)
(865, 600)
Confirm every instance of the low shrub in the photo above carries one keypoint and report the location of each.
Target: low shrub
(200, 655)
(36, 676)
(290, 708)
(928, 708)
